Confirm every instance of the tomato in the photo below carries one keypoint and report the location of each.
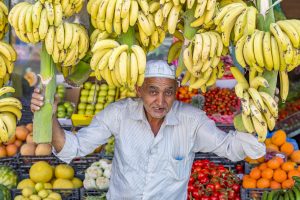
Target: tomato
(196, 195)
(210, 187)
(192, 180)
(237, 198)
(239, 168)
(201, 175)
(235, 187)
(191, 188)
(231, 194)
(204, 180)
(218, 186)
(205, 197)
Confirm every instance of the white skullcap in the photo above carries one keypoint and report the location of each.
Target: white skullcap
(159, 68)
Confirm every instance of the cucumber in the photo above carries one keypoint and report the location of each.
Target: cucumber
(286, 196)
(296, 192)
(291, 194)
(265, 195)
(271, 195)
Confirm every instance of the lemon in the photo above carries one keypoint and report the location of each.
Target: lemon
(19, 197)
(43, 194)
(26, 192)
(55, 196)
(35, 197)
(77, 182)
(41, 172)
(47, 185)
(39, 186)
(25, 183)
(63, 184)
(64, 171)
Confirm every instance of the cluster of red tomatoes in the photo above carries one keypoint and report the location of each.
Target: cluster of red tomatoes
(210, 181)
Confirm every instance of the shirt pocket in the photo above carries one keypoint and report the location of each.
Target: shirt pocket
(178, 168)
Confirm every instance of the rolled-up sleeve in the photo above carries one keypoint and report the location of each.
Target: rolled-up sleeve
(87, 139)
(233, 145)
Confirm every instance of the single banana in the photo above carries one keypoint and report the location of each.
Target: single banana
(58, 14)
(258, 48)
(255, 111)
(259, 81)
(284, 85)
(4, 136)
(144, 6)
(240, 25)
(49, 40)
(43, 27)
(197, 52)
(257, 99)
(275, 54)
(141, 58)
(239, 77)
(50, 12)
(116, 53)
(12, 109)
(10, 122)
(260, 128)
(239, 47)
(187, 57)
(173, 18)
(247, 122)
(104, 60)
(103, 44)
(213, 44)
(248, 50)
(125, 24)
(10, 101)
(224, 11)
(206, 46)
(123, 67)
(271, 121)
(8, 51)
(270, 103)
(251, 20)
(144, 23)
(290, 31)
(134, 10)
(246, 103)
(125, 8)
(239, 90)
(97, 57)
(279, 36)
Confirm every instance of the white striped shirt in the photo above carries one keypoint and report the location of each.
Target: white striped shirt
(155, 168)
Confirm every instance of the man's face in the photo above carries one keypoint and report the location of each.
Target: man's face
(158, 95)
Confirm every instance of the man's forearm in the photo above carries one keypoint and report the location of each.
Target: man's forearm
(58, 135)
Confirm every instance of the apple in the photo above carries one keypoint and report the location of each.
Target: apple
(111, 92)
(81, 106)
(91, 99)
(81, 112)
(67, 104)
(90, 107)
(99, 106)
(101, 99)
(83, 99)
(89, 112)
(106, 104)
(87, 85)
(95, 87)
(110, 98)
(84, 92)
(104, 87)
(96, 112)
(91, 92)
(60, 86)
(61, 108)
(61, 114)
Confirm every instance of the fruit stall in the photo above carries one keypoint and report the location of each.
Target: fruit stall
(237, 60)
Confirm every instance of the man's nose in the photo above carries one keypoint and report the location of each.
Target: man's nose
(160, 99)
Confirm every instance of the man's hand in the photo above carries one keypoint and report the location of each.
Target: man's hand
(37, 101)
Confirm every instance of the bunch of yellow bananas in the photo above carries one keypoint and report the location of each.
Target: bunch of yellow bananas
(126, 92)
(67, 43)
(10, 112)
(3, 19)
(8, 56)
(259, 109)
(236, 17)
(119, 65)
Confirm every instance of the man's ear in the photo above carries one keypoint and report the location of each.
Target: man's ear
(138, 90)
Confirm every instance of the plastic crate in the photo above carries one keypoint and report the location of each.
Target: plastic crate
(66, 194)
(85, 193)
(219, 160)
(82, 163)
(10, 161)
(226, 128)
(253, 194)
(290, 124)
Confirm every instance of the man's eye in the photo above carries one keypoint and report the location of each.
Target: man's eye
(169, 93)
(153, 92)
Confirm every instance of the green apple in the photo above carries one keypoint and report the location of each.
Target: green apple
(61, 96)
(61, 108)
(61, 114)
(99, 106)
(102, 93)
(90, 107)
(101, 99)
(67, 104)
(103, 86)
(81, 106)
(112, 92)
(106, 104)
(70, 109)
(110, 98)
(89, 112)
(96, 111)
(95, 87)
(84, 92)
(81, 112)
(83, 99)
(60, 86)
(92, 92)
(87, 85)
(91, 99)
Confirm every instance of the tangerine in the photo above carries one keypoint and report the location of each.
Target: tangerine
(279, 175)
(279, 137)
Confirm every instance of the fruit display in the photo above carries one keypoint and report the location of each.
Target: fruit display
(61, 91)
(97, 175)
(212, 181)
(95, 97)
(65, 109)
(39, 191)
(288, 109)
(221, 101)
(58, 177)
(110, 146)
(8, 177)
(183, 94)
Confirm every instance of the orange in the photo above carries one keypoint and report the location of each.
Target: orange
(255, 173)
(263, 166)
(287, 166)
(293, 172)
(279, 137)
(272, 147)
(295, 156)
(3, 152)
(273, 163)
(279, 159)
(249, 183)
(275, 185)
(268, 141)
(267, 173)
(263, 183)
(287, 148)
(279, 175)
(11, 150)
(298, 168)
(289, 183)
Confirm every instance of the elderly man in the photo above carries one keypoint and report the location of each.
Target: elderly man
(156, 139)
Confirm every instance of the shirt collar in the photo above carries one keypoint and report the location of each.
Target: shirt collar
(136, 112)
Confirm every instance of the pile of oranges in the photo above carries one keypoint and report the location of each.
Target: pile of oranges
(184, 94)
(278, 143)
(275, 174)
